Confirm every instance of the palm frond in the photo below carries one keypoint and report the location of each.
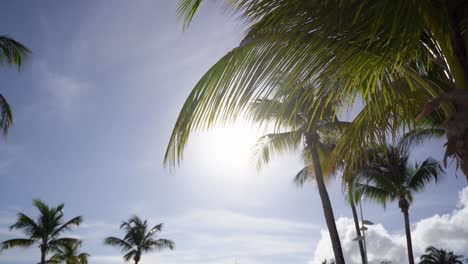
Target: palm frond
(186, 10)
(26, 223)
(270, 145)
(63, 241)
(117, 242)
(420, 135)
(12, 52)
(18, 242)
(429, 170)
(162, 244)
(76, 221)
(6, 115)
(130, 255)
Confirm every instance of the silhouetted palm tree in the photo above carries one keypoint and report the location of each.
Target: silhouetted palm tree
(389, 176)
(45, 231)
(11, 52)
(139, 239)
(68, 254)
(440, 256)
(317, 140)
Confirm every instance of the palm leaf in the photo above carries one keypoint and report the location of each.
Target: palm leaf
(18, 242)
(117, 242)
(273, 144)
(12, 52)
(76, 221)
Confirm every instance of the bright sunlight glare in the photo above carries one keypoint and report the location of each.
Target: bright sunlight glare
(227, 148)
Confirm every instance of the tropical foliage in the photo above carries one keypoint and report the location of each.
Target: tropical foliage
(440, 256)
(395, 63)
(139, 239)
(45, 231)
(13, 53)
(389, 176)
(68, 254)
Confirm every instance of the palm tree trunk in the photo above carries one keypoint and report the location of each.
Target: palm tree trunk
(43, 254)
(358, 231)
(404, 205)
(326, 204)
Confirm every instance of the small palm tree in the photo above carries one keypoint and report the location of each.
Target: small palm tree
(440, 256)
(13, 53)
(45, 231)
(389, 176)
(68, 254)
(138, 239)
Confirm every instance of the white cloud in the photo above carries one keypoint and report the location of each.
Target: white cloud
(448, 231)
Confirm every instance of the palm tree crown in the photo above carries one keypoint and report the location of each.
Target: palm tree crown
(440, 256)
(45, 231)
(389, 176)
(139, 239)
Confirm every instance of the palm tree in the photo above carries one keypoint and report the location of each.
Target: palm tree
(68, 254)
(389, 176)
(45, 231)
(13, 53)
(348, 49)
(440, 256)
(139, 239)
(318, 139)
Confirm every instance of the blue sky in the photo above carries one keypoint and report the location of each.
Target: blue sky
(94, 108)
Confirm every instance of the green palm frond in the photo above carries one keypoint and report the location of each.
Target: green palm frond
(117, 242)
(429, 170)
(130, 255)
(63, 241)
(303, 176)
(420, 135)
(18, 242)
(6, 115)
(26, 223)
(12, 52)
(76, 221)
(161, 244)
(187, 9)
(270, 145)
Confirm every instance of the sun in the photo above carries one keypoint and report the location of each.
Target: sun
(227, 148)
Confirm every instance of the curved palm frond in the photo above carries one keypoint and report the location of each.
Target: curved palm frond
(273, 144)
(6, 115)
(423, 174)
(18, 242)
(130, 255)
(161, 244)
(114, 241)
(12, 52)
(76, 221)
(63, 242)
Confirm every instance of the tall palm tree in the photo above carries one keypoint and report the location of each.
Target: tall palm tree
(68, 254)
(318, 139)
(390, 176)
(348, 49)
(45, 231)
(440, 256)
(139, 239)
(13, 53)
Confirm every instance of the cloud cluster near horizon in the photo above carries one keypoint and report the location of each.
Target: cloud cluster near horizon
(448, 231)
